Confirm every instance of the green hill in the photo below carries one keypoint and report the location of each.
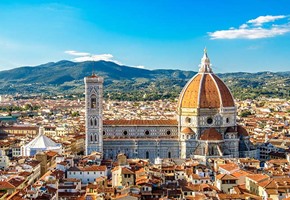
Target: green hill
(129, 83)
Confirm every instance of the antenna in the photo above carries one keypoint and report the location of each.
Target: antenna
(93, 71)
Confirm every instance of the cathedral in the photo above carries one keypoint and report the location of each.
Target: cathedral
(205, 125)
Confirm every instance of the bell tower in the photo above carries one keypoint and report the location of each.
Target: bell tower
(94, 114)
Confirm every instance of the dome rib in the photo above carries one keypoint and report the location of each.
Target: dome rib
(227, 97)
(188, 97)
(199, 90)
(219, 92)
(209, 93)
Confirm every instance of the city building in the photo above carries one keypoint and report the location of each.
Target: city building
(205, 126)
(40, 143)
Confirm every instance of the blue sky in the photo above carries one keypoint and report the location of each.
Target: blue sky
(241, 35)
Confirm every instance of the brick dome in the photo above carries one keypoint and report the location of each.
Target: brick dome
(211, 134)
(188, 130)
(242, 131)
(205, 90)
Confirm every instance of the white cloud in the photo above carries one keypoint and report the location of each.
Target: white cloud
(254, 33)
(264, 19)
(140, 66)
(105, 57)
(75, 53)
(243, 26)
(252, 30)
(83, 56)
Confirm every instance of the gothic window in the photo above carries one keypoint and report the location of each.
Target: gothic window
(227, 120)
(91, 122)
(147, 155)
(95, 122)
(93, 101)
(169, 154)
(96, 139)
(91, 138)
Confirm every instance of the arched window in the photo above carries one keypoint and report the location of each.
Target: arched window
(95, 122)
(169, 154)
(93, 101)
(91, 138)
(91, 122)
(147, 155)
(96, 139)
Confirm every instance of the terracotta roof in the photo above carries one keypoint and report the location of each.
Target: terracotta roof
(209, 95)
(125, 170)
(232, 196)
(20, 128)
(25, 173)
(258, 177)
(242, 131)
(189, 97)
(16, 181)
(211, 134)
(227, 99)
(226, 177)
(188, 131)
(229, 167)
(240, 173)
(140, 122)
(248, 160)
(6, 185)
(205, 91)
(94, 168)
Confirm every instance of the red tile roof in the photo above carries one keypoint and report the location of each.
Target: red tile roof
(140, 122)
(187, 130)
(6, 185)
(242, 131)
(211, 134)
(206, 91)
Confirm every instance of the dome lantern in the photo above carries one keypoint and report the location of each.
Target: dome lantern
(205, 63)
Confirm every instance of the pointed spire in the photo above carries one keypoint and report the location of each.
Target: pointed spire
(205, 63)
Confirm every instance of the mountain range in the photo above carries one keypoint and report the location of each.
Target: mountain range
(129, 83)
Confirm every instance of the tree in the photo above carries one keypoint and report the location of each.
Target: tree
(245, 113)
